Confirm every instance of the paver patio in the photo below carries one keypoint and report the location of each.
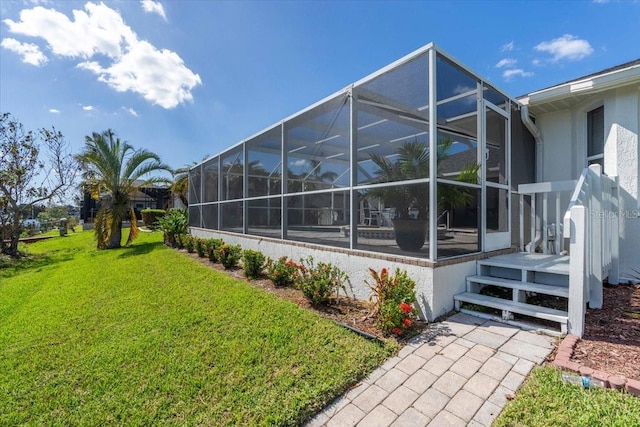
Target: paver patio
(460, 372)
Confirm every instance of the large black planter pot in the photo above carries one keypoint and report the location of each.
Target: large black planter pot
(410, 233)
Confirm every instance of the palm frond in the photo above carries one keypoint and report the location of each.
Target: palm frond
(133, 231)
(102, 227)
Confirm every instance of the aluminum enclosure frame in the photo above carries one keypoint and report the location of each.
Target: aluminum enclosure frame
(339, 223)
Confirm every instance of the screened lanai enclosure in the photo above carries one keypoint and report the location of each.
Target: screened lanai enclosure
(413, 160)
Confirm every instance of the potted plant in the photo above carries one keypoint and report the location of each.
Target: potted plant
(411, 201)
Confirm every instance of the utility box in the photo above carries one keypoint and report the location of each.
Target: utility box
(63, 226)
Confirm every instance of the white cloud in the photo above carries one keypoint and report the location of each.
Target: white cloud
(517, 72)
(151, 6)
(131, 111)
(127, 63)
(54, 111)
(298, 163)
(508, 47)
(87, 107)
(99, 30)
(536, 62)
(31, 53)
(462, 89)
(506, 62)
(566, 47)
(158, 75)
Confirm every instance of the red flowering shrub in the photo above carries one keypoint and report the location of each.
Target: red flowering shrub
(211, 245)
(229, 255)
(318, 281)
(282, 271)
(393, 300)
(201, 247)
(253, 263)
(189, 243)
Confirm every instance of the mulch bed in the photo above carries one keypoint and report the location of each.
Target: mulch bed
(611, 341)
(353, 313)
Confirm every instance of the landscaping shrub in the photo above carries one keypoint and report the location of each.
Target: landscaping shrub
(173, 223)
(318, 282)
(253, 263)
(151, 217)
(211, 246)
(201, 248)
(229, 255)
(179, 240)
(189, 243)
(281, 272)
(393, 301)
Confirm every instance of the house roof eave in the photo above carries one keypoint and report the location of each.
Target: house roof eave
(585, 86)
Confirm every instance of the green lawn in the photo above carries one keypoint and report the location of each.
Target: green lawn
(545, 400)
(146, 336)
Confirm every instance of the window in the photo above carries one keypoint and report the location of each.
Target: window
(595, 136)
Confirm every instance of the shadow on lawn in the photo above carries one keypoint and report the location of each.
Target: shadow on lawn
(139, 249)
(33, 262)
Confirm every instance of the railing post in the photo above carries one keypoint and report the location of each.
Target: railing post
(521, 222)
(596, 219)
(577, 277)
(545, 223)
(614, 273)
(559, 233)
(532, 245)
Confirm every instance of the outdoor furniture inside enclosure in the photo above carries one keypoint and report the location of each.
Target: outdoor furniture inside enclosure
(412, 160)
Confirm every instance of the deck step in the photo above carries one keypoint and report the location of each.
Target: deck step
(559, 291)
(514, 307)
(553, 264)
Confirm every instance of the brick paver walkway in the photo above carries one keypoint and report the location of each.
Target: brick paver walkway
(461, 372)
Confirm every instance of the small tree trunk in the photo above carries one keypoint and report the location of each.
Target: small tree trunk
(116, 235)
(10, 247)
(13, 247)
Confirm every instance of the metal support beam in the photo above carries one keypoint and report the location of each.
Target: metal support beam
(353, 176)
(433, 161)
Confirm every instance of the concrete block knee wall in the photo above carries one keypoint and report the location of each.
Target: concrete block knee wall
(436, 283)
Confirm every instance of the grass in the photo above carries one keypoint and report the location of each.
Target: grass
(545, 400)
(146, 336)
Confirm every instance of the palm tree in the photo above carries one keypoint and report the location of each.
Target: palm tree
(113, 171)
(180, 184)
(412, 162)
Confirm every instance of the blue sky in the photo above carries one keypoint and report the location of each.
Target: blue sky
(190, 78)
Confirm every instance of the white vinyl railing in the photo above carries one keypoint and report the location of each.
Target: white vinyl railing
(546, 231)
(591, 223)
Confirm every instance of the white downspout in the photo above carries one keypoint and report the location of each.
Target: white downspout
(537, 135)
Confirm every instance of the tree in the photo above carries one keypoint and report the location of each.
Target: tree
(411, 163)
(180, 183)
(50, 217)
(26, 178)
(113, 170)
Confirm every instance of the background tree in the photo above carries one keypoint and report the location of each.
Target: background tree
(27, 176)
(50, 217)
(180, 183)
(113, 170)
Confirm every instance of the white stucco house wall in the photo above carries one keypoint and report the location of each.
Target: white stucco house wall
(571, 115)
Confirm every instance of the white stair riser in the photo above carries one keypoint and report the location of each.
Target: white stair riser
(475, 284)
(525, 309)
